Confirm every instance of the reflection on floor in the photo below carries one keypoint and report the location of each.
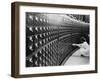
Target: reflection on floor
(77, 59)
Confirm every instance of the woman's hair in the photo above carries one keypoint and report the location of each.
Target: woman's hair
(82, 39)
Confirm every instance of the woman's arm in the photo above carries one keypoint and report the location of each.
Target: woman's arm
(79, 45)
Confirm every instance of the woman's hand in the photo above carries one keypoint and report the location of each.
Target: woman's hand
(73, 44)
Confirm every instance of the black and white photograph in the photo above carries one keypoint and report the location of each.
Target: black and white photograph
(57, 39)
(52, 39)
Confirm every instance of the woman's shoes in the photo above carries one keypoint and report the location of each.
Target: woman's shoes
(82, 55)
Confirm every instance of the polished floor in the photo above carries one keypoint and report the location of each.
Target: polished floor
(77, 59)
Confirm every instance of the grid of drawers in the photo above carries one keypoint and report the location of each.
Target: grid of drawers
(48, 44)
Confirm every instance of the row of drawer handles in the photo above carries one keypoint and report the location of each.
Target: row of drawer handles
(38, 19)
(32, 28)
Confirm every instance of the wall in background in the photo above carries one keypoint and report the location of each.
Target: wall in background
(5, 40)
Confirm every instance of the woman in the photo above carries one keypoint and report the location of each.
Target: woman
(84, 47)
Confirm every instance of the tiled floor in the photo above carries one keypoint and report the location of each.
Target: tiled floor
(76, 59)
